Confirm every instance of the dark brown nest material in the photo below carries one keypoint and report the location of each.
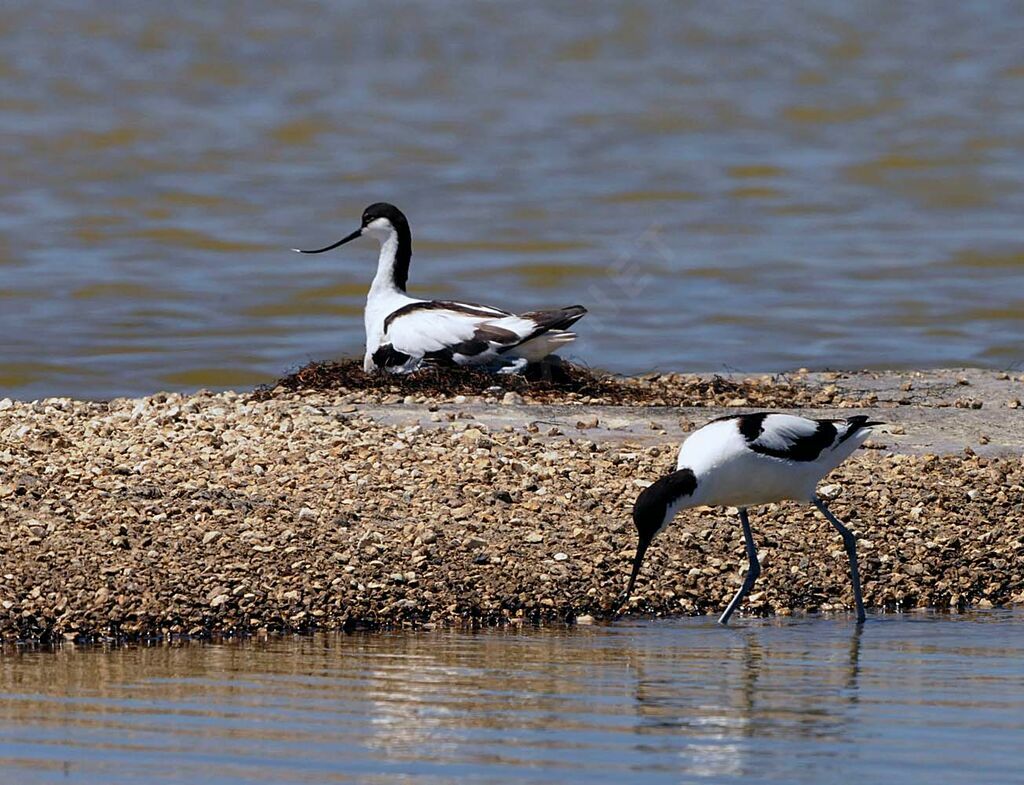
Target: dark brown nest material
(546, 382)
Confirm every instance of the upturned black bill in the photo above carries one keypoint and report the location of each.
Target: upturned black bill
(342, 241)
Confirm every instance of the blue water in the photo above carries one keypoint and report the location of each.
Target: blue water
(726, 188)
(912, 699)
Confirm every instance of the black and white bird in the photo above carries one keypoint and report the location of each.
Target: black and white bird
(748, 459)
(403, 333)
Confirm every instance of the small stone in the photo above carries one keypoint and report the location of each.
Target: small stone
(471, 435)
(534, 537)
(828, 491)
(561, 556)
(211, 536)
(512, 399)
(617, 424)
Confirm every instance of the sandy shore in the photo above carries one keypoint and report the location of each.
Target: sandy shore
(223, 513)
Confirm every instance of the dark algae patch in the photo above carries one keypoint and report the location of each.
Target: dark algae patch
(552, 379)
(554, 383)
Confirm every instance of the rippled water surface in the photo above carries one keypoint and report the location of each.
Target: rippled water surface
(822, 184)
(918, 699)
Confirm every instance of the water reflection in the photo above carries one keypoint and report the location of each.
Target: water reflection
(737, 693)
(801, 700)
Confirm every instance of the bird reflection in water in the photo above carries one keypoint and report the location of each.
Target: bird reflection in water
(706, 705)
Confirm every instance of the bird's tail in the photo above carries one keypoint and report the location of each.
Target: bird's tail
(536, 349)
(558, 319)
(857, 424)
(551, 325)
(861, 421)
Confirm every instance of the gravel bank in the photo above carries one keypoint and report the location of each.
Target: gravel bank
(221, 513)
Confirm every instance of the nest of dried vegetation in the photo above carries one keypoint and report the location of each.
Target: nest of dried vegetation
(558, 383)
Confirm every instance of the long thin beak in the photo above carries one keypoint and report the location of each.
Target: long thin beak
(342, 241)
(641, 549)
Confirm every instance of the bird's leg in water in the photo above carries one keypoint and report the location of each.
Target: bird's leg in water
(850, 543)
(752, 572)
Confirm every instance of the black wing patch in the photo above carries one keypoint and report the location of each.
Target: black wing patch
(802, 448)
(478, 344)
(798, 447)
(469, 309)
(490, 333)
(387, 356)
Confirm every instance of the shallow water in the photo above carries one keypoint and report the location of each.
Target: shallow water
(914, 699)
(829, 184)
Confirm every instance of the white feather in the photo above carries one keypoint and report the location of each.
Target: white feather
(411, 328)
(732, 474)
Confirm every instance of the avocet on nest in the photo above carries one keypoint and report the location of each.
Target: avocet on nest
(749, 459)
(402, 333)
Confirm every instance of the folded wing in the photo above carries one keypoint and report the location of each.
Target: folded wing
(794, 438)
(466, 333)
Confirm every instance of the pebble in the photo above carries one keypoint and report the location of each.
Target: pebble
(201, 514)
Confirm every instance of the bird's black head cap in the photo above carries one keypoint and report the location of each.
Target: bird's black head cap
(385, 210)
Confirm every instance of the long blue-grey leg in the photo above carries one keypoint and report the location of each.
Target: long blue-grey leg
(752, 573)
(850, 542)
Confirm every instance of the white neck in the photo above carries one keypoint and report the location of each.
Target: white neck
(384, 280)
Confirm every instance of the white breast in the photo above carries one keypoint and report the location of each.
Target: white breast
(378, 307)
